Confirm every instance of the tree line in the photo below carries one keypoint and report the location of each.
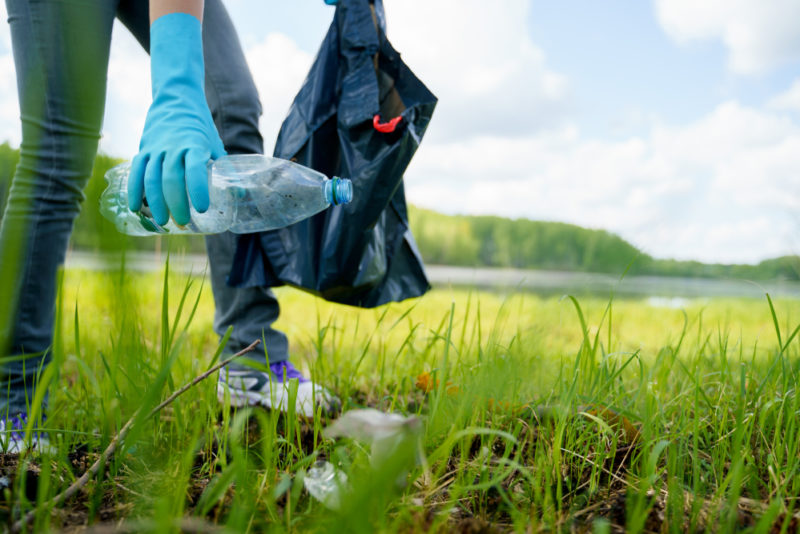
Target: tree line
(489, 241)
(461, 240)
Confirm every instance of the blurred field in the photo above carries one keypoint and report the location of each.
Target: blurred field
(547, 326)
(593, 414)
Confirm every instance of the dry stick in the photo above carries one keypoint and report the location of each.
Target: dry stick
(92, 471)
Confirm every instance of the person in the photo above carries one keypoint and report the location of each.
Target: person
(205, 104)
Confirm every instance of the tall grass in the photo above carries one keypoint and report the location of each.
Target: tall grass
(539, 414)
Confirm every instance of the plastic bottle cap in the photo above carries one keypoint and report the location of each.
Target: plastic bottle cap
(342, 190)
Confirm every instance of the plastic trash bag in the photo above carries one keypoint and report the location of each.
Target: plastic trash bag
(360, 114)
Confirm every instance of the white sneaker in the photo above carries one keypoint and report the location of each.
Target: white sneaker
(13, 439)
(252, 388)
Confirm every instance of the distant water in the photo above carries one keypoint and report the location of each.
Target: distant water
(666, 291)
(663, 288)
(674, 303)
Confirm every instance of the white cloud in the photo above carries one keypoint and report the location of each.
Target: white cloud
(128, 94)
(9, 106)
(279, 68)
(5, 34)
(758, 35)
(788, 100)
(723, 188)
(479, 59)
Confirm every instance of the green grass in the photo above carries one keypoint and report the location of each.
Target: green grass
(546, 414)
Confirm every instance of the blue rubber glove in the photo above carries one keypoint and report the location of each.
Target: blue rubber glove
(331, 2)
(179, 134)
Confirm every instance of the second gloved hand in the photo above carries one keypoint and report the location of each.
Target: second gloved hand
(179, 134)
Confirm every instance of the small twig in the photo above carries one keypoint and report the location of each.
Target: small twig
(112, 447)
(128, 490)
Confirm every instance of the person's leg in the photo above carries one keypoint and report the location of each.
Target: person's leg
(234, 104)
(61, 56)
(233, 100)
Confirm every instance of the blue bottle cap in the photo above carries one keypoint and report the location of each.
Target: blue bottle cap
(340, 192)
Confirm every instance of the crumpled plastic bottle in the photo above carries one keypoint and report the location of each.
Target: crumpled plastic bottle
(248, 193)
(384, 432)
(325, 483)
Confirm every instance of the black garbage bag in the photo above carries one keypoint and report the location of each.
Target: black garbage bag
(360, 114)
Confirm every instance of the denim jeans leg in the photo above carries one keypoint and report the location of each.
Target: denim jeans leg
(236, 108)
(251, 311)
(61, 57)
(234, 104)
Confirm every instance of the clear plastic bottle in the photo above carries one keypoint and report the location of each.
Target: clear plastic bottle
(326, 484)
(248, 193)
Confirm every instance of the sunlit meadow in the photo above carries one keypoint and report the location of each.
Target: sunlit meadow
(590, 414)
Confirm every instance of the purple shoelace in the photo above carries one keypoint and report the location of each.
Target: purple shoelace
(278, 369)
(17, 426)
(18, 423)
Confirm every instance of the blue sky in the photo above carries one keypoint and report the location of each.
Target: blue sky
(623, 66)
(673, 123)
(619, 63)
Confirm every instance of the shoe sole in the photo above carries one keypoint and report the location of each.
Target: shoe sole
(271, 400)
(239, 398)
(39, 446)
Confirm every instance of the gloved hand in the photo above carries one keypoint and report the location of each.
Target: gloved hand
(331, 2)
(179, 134)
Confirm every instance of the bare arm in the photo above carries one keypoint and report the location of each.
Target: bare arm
(159, 8)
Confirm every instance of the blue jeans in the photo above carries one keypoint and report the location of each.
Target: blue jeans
(61, 51)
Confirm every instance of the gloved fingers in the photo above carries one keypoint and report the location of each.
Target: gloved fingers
(174, 186)
(217, 147)
(136, 181)
(197, 178)
(153, 190)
